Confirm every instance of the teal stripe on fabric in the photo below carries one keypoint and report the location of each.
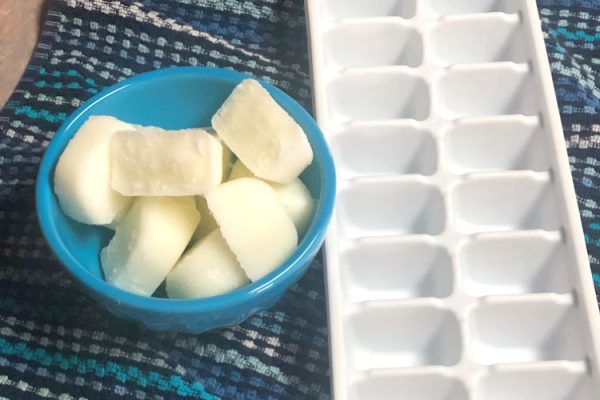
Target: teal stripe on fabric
(58, 85)
(575, 35)
(100, 369)
(596, 278)
(591, 240)
(40, 114)
(69, 73)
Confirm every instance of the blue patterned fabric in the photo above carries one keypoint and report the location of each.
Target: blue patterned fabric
(572, 34)
(56, 342)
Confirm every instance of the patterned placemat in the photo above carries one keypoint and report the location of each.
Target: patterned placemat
(56, 342)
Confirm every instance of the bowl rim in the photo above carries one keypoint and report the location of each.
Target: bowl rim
(289, 271)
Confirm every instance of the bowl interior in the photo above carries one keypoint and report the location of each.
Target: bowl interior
(172, 99)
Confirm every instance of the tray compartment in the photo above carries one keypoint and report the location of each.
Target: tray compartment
(342, 9)
(378, 94)
(457, 7)
(520, 263)
(523, 331)
(384, 149)
(394, 336)
(480, 91)
(535, 384)
(496, 144)
(372, 43)
(505, 202)
(396, 269)
(499, 38)
(410, 386)
(390, 207)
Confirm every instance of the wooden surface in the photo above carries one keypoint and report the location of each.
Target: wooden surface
(19, 28)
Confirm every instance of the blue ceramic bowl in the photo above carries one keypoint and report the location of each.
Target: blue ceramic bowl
(178, 98)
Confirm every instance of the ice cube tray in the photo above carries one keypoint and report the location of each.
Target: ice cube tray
(456, 264)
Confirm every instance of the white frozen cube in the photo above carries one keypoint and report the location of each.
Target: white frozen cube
(83, 173)
(262, 134)
(148, 242)
(254, 224)
(155, 162)
(294, 196)
(207, 269)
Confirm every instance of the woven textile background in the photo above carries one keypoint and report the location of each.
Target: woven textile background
(56, 342)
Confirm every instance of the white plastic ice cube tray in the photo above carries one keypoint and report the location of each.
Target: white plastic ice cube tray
(456, 265)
